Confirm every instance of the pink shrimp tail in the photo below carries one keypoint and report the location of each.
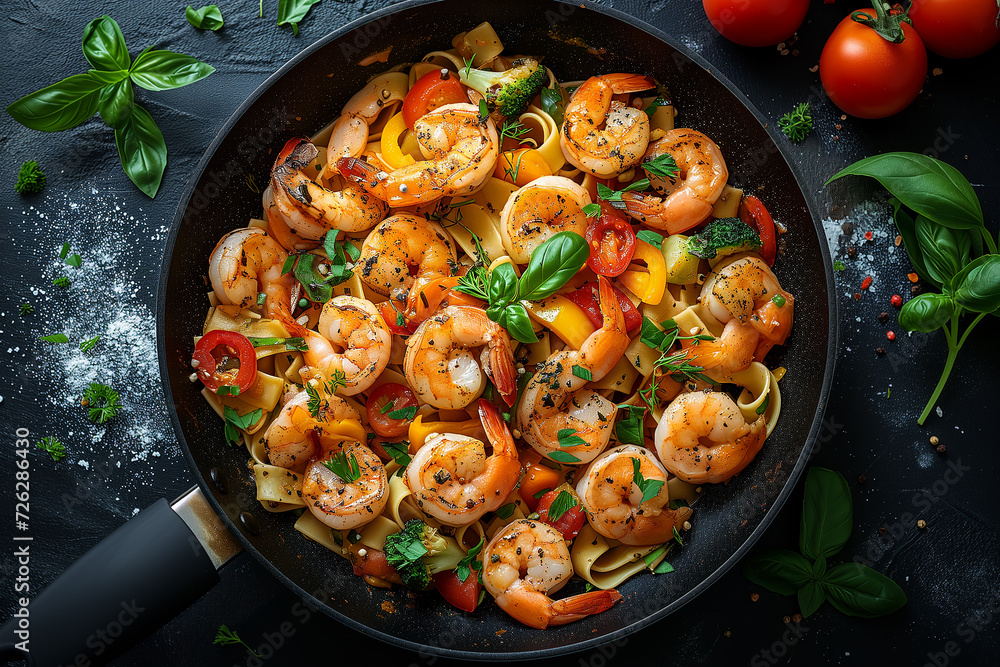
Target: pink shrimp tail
(496, 428)
(611, 311)
(358, 171)
(503, 372)
(628, 83)
(576, 607)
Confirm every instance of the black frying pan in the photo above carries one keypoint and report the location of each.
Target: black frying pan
(577, 41)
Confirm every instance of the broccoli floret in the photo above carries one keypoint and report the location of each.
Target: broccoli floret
(723, 237)
(418, 551)
(507, 93)
(30, 179)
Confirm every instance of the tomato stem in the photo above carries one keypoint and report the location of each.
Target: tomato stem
(886, 22)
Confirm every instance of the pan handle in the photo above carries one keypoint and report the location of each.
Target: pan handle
(132, 582)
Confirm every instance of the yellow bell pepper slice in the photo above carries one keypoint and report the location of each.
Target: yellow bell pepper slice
(420, 431)
(647, 282)
(391, 152)
(563, 318)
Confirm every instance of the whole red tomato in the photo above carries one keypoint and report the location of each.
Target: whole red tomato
(867, 75)
(956, 28)
(756, 22)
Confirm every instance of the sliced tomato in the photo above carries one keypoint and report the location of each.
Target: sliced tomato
(753, 212)
(225, 359)
(611, 240)
(387, 400)
(394, 321)
(461, 594)
(432, 90)
(586, 298)
(538, 479)
(569, 523)
(373, 563)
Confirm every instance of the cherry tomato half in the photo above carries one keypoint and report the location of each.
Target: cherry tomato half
(225, 359)
(756, 22)
(753, 213)
(571, 521)
(461, 594)
(432, 90)
(390, 398)
(538, 478)
(586, 298)
(868, 76)
(611, 240)
(956, 28)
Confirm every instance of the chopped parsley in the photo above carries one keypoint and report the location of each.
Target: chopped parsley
(53, 447)
(101, 402)
(649, 487)
(25, 309)
(562, 503)
(662, 166)
(224, 637)
(343, 466)
(469, 562)
(797, 123)
(87, 345)
(235, 421)
(56, 338)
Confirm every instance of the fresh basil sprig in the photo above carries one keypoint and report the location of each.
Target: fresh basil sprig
(317, 275)
(942, 241)
(108, 89)
(827, 519)
(208, 17)
(291, 12)
(551, 265)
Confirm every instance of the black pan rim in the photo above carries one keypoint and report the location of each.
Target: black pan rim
(790, 483)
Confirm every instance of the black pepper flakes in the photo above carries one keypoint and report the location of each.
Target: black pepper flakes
(941, 449)
(883, 318)
(915, 290)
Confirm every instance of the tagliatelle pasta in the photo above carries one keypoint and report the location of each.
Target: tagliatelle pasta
(494, 331)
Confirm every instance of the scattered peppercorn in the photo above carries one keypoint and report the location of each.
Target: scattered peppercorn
(935, 440)
(797, 618)
(941, 449)
(786, 619)
(862, 479)
(866, 283)
(912, 277)
(896, 300)
(857, 296)
(915, 290)
(728, 633)
(891, 335)
(881, 530)
(852, 251)
(868, 236)
(754, 597)
(921, 524)
(896, 241)
(883, 318)
(880, 351)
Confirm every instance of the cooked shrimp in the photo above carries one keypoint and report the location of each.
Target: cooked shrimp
(524, 563)
(455, 482)
(535, 212)
(613, 500)
(555, 398)
(343, 504)
(601, 135)
(463, 151)
(703, 438)
(290, 439)
(308, 208)
(686, 200)
(729, 353)
(440, 362)
(744, 288)
(403, 250)
(350, 133)
(247, 262)
(351, 339)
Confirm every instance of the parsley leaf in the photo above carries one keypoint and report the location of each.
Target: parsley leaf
(101, 402)
(469, 562)
(344, 467)
(662, 166)
(562, 503)
(629, 430)
(54, 448)
(225, 637)
(649, 487)
(56, 338)
(234, 421)
(505, 511)
(405, 414)
(650, 237)
(582, 373)
(797, 123)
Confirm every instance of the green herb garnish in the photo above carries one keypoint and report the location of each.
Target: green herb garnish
(53, 447)
(101, 402)
(30, 179)
(797, 123)
(225, 637)
(648, 487)
(343, 466)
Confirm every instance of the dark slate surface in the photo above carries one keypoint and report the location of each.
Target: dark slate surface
(949, 570)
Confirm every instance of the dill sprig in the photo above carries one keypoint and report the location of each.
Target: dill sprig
(224, 636)
(54, 448)
(30, 179)
(796, 124)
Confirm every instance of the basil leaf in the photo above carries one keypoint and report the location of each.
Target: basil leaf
(142, 150)
(857, 590)
(562, 503)
(552, 103)
(930, 187)
(907, 228)
(945, 251)
(628, 431)
(291, 12)
(927, 312)
(519, 324)
(827, 514)
(978, 285)
(503, 285)
(650, 237)
(778, 570)
(207, 18)
(811, 596)
(552, 264)
(104, 45)
(116, 104)
(108, 77)
(163, 70)
(60, 106)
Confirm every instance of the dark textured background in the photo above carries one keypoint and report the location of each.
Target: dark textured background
(949, 570)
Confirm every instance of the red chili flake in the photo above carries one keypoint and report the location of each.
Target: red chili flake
(896, 300)
(866, 283)
(891, 335)
(857, 296)
(868, 236)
